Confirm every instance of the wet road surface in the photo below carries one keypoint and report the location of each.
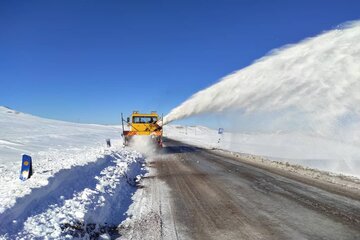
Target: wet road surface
(211, 196)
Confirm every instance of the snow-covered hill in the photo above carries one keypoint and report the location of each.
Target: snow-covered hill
(76, 180)
(24, 133)
(295, 148)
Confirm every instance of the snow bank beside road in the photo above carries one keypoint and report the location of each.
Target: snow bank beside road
(84, 201)
(79, 186)
(305, 150)
(54, 145)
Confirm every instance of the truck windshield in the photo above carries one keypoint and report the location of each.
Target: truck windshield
(142, 119)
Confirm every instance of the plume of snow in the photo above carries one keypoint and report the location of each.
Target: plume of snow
(144, 144)
(319, 78)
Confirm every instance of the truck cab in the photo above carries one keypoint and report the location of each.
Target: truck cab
(143, 124)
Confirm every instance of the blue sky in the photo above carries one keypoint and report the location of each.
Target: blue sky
(88, 61)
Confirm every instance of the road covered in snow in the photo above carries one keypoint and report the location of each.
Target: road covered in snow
(195, 193)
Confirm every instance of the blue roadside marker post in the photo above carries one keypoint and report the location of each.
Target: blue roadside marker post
(26, 167)
(220, 132)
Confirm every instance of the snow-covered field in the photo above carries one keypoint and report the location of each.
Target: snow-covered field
(294, 148)
(77, 181)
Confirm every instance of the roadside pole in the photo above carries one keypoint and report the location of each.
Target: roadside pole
(220, 132)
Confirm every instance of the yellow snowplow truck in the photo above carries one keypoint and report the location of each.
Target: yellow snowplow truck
(142, 124)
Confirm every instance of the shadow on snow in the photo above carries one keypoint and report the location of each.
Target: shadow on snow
(65, 184)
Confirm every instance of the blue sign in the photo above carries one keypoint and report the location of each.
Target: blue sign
(26, 167)
(221, 131)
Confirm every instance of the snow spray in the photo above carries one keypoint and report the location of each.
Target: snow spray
(144, 144)
(319, 78)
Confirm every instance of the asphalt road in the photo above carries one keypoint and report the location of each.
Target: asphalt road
(215, 197)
